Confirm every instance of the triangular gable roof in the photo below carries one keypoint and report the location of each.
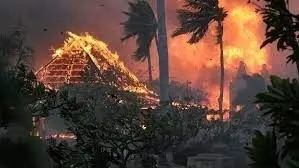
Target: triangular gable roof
(77, 53)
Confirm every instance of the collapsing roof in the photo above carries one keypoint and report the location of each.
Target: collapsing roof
(80, 54)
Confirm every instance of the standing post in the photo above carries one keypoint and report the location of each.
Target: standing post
(187, 91)
(171, 90)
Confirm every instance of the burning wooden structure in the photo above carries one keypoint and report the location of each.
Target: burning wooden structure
(85, 59)
(245, 86)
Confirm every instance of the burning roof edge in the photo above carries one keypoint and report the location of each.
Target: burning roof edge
(86, 42)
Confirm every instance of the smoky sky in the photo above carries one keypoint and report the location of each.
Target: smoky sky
(45, 20)
(101, 18)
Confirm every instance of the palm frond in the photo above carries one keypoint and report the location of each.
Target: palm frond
(196, 17)
(201, 4)
(143, 49)
(142, 25)
(195, 23)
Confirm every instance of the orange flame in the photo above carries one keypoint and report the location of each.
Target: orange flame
(63, 136)
(100, 55)
(200, 62)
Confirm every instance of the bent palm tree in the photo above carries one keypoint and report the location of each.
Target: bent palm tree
(196, 18)
(142, 24)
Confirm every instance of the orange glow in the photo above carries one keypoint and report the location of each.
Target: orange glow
(243, 34)
(226, 116)
(64, 136)
(76, 52)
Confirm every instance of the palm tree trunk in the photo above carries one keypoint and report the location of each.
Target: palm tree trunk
(149, 64)
(163, 53)
(221, 69)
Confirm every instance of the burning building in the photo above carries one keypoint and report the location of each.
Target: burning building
(236, 85)
(85, 59)
(245, 86)
(84, 56)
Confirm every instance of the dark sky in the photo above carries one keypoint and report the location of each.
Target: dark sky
(83, 16)
(64, 15)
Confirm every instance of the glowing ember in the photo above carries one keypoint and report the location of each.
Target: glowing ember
(77, 52)
(63, 136)
(200, 62)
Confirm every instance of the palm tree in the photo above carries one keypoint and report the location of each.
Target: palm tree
(195, 18)
(142, 24)
(163, 53)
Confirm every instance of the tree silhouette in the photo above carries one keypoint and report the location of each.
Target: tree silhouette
(123, 129)
(142, 24)
(195, 18)
(280, 104)
(21, 98)
(282, 27)
(263, 151)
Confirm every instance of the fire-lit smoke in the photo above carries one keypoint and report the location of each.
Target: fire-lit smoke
(243, 34)
(199, 63)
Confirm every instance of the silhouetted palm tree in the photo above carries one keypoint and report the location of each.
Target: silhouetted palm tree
(142, 24)
(195, 18)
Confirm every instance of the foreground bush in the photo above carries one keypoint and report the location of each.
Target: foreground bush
(112, 127)
(281, 104)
